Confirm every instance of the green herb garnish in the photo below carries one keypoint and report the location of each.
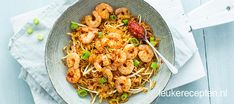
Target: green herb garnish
(86, 55)
(125, 21)
(136, 62)
(36, 21)
(74, 25)
(113, 17)
(82, 92)
(124, 97)
(134, 41)
(40, 37)
(29, 30)
(102, 80)
(154, 65)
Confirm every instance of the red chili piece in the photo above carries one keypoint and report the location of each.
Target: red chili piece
(136, 29)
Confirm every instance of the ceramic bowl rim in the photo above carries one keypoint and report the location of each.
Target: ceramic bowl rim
(69, 8)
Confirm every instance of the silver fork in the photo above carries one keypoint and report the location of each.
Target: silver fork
(172, 68)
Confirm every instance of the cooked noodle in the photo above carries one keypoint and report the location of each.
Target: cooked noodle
(106, 57)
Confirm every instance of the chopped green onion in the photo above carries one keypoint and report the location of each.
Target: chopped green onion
(124, 96)
(153, 43)
(102, 80)
(40, 37)
(100, 35)
(86, 55)
(125, 21)
(134, 41)
(74, 25)
(29, 30)
(36, 21)
(113, 17)
(154, 65)
(136, 62)
(82, 92)
(152, 38)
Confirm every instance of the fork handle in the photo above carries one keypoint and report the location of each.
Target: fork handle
(171, 67)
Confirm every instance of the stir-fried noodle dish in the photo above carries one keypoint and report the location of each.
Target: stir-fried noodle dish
(105, 60)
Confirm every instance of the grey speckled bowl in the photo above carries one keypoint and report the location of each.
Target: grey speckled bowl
(58, 39)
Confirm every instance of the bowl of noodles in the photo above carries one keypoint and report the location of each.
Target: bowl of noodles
(95, 54)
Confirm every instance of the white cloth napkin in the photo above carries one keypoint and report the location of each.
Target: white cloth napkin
(29, 52)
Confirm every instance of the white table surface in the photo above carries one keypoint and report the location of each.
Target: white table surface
(215, 46)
